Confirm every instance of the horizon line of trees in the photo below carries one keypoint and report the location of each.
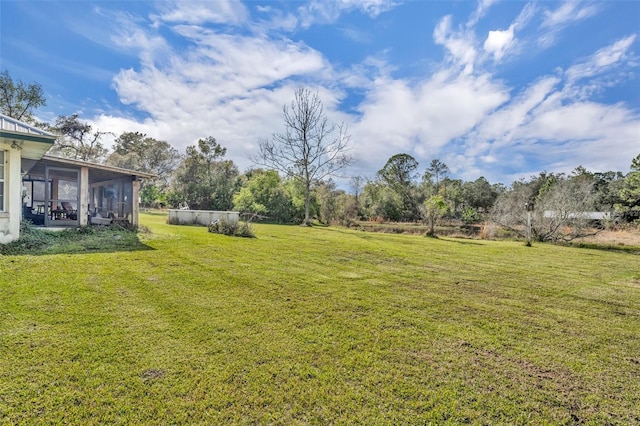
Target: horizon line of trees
(300, 163)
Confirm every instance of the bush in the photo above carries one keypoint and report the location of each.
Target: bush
(31, 238)
(226, 227)
(246, 230)
(34, 240)
(470, 215)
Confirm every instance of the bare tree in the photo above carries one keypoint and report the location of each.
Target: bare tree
(310, 149)
(357, 184)
(77, 140)
(562, 213)
(553, 210)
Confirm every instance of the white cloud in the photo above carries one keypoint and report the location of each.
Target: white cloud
(480, 12)
(373, 8)
(602, 60)
(233, 86)
(498, 42)
(545, 124)
(200, 12)
(223, 65)
(422, 119)
(498, 127)
(276, 20)
(582, 121)
(228, 86)
(569, 12)
(326, 12)
(525, 16)
(583, 133)
(460, 44)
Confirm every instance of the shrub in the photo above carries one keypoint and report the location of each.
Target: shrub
(246, 230)
(31, 238)
(226, 227)
(470, 215)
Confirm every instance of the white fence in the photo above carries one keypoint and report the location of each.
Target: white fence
(201, 217)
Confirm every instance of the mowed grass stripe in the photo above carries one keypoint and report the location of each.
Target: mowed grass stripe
(320, 325)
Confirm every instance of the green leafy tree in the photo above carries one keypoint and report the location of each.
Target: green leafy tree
(264, 194)
(479, 194)
(310, 149)
(453, 196)
(371, 197)
(438, 172)
(629, 204)
(427, 187)
(435, 207)
(399, 174)
(608, 186)
(204, 180)
(302, 205)
(18, 100)
(137, 151)
(331, 202)
(152, 196)
(470, 215)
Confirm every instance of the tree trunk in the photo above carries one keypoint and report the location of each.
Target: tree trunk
(307, 201)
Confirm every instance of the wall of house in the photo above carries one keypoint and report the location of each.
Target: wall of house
(10, 217)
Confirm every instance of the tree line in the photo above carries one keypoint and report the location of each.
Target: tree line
(293, 177)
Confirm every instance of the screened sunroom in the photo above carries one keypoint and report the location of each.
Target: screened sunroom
(60, 192)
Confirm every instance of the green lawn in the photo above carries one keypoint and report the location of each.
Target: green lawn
(319, 326)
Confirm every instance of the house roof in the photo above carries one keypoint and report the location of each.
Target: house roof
(97, 167)
(33, 142)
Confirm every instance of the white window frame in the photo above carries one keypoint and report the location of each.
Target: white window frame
(3, 172)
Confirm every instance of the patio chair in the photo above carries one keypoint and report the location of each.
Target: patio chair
(29, 214)
(121, 213)
(69, 211)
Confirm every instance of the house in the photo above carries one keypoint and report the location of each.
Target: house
(58, 192)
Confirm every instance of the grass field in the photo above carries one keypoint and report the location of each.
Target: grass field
(319, 326)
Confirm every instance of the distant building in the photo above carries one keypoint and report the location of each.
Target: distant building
(580, 215)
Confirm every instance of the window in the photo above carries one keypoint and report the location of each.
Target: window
(2, 156)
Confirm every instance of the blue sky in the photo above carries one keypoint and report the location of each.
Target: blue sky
(500, 89)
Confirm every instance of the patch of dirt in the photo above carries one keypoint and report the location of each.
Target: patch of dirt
(616, 237)
(152, 374)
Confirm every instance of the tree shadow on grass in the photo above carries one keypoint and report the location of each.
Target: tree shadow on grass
(465, 242)
(608, 247)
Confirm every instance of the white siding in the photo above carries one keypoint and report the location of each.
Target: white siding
(2, 179)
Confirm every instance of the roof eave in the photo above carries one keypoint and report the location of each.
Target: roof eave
(104, 167)
(33, 146)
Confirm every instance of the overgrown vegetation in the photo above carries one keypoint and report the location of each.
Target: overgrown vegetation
(319, 326)
(231, 228)
(37, 241)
